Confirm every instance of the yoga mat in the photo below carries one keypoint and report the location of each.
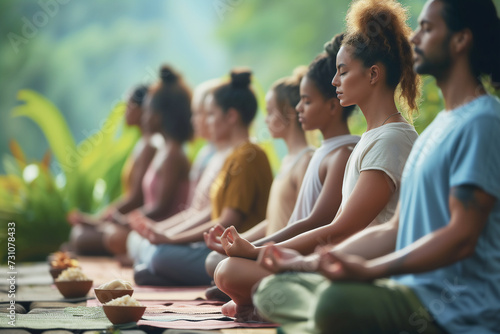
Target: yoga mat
(203, 325)
(169, 293)
(104, 269)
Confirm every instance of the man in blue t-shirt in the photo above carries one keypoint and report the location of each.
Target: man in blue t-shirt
(446, 265)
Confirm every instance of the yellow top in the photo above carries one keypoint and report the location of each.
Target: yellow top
(243, 184)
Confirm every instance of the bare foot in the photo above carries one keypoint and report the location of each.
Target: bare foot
(229, 309)
(241, 313)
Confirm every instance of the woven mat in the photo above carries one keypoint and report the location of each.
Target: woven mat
(93, 318)
(165, 293)
(203, 325)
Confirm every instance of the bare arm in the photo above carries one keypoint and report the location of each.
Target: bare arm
(299, 171)
(256, 232)
(370, 243)
(371, 194)
(191, 220)
(469, 208)
(373, 241)
(135, 197)
(171, 174)
(327, 204)
(228, 217)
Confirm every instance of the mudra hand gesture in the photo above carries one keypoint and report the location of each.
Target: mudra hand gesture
(212, 239)
(278, 259)
(235, 246)
(337, 266)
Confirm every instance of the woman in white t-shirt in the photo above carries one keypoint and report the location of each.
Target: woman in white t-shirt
(370, 191)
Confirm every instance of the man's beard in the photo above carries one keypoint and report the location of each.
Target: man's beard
(438, 65)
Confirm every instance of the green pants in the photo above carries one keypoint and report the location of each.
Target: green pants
(310, 303)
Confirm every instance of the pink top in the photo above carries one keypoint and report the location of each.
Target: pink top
(151, 189)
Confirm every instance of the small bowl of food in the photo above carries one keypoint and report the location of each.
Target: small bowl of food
(61, 261)
(123, 310)
(72, 283)
(112, 290)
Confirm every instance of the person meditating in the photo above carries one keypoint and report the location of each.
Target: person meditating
(441, 246)
(321, 192)
(206, 166)
(282, 122)
(238, 195)
(165, 184)
(86, 237)
(369, 70)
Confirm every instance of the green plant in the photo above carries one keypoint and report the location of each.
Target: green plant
(88, 177)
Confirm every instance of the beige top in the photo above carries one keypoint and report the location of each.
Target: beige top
(386, 149)
(283, 194)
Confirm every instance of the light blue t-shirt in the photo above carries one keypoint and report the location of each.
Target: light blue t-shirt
(460, 147)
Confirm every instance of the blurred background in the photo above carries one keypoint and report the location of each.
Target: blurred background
(83, 56)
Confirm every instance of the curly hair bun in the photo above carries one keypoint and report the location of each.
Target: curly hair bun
(241, 78)
(372, 17)
(332, 47)
(298, 73)
(168, 75)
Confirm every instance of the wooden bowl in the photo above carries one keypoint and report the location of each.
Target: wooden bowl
(105, 295)
(55, 272)
(123, 314)
(74, 289)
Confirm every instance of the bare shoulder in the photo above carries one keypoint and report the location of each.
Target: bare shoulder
(335, 162)
(300, 167)
(175, 158)
(304, 160)
(338, 157)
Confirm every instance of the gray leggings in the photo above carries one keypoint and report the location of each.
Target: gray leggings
(174, 265)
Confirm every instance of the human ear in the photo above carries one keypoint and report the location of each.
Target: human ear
(232, 116)
(462, 41)
(334, 104)
(374, 72)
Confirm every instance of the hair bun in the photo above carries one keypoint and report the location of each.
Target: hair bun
(299, 72)
(332, 47)
(139, 93)
(241, 78)
(168, 75)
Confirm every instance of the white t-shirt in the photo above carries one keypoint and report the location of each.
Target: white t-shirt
(311, 184)
(385, 148)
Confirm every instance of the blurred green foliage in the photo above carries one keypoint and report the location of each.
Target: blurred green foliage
(90, 177)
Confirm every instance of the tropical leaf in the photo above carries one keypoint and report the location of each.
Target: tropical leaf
(50, 121)
(92, 149)
(29, 195)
